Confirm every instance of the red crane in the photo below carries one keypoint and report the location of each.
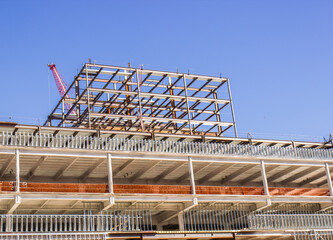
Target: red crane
(61, 85)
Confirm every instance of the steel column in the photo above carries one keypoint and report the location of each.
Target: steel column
(264, 178)
(232, 109)
(329, 179)
(110, 176)
(88, 95)
(187, 105)
(17, 172)
(192, 180)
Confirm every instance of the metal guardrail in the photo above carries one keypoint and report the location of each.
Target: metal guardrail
(144, 145)
(314, 235)
(122, 221)
(213, 218)
(290, 221)
(223, 216)
(54, 236)
(217, 217)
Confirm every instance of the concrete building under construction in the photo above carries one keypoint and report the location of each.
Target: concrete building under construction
(130, 153)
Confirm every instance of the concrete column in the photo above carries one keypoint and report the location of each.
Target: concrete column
(17, 154)
(110, 176)
(181, 221)
(329, 179)
(264, 178)
(190, 168)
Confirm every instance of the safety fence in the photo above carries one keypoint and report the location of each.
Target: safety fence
(314, 235)
(54, 236)
(290, 221)
(223, 216)
(145, 145)
(217, 217)
(291, 216)
(116, 221)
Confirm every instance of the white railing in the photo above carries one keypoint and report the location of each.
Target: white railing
(144, 145)
(121, 222)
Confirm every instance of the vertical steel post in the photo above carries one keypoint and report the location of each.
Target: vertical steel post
(77, 95)
(264, 178)
(187, 105)
(63, 112)
(217, 114)
(329, 179)
(88, 94)
(232, 109)
(110, 176)
(139, 99)
(190, 168)
(17, 154)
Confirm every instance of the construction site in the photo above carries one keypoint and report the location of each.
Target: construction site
(131, 153)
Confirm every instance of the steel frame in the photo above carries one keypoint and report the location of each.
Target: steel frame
(133, 99)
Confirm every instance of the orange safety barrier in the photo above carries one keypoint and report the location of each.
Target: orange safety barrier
(159, 189)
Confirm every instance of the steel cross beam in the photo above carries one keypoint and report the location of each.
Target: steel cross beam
(62, 99)
(98, 96)
(80, 97)
(115, 97)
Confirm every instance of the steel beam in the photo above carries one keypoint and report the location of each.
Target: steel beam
(258, 174)
(213, 173)
(168, 171)
(35, 167)
(237, 173)
(313, 178)
(14, 205)
(6, 166)
(202, 167)
(91, 169)
(122, 167)
(144, 170)
(299, 175)
(61, 172)
(281, 173)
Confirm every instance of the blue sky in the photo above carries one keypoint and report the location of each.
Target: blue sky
(277, 54)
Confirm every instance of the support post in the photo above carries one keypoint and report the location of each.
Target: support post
(329, 179)
(190, 168)
(139, 100)
(17, 154)
(181, 221)
(187, 105)
(264, 178)
(232, 109)
(217, 113)
(110, 176)
(88, 95)
(63, 112)
(265, 184)
(77, 95)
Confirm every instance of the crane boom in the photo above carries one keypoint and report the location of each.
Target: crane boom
(62, 86)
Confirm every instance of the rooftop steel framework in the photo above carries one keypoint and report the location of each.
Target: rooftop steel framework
(140, 100)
